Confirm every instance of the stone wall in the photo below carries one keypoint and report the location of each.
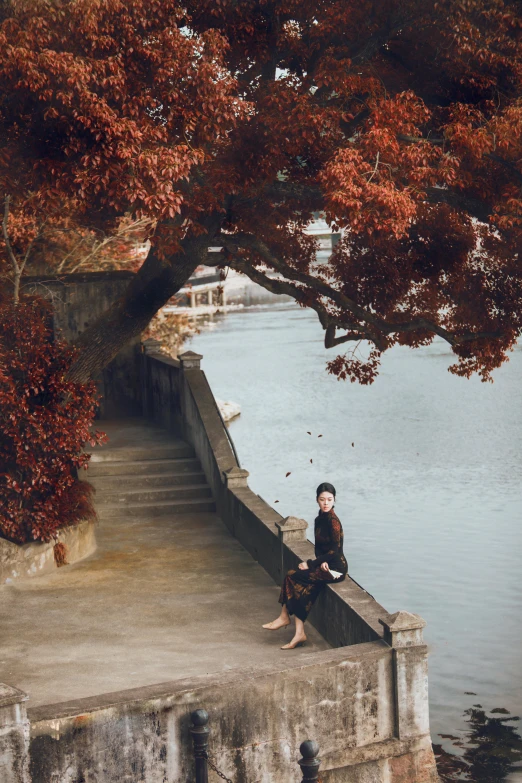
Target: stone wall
(14, 736)
(78, 300)
(37, 557)
(354, 701)
(258, 718)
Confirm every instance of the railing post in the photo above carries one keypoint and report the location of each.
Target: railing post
(14, 735)
(200, 732)
(403, 632)
(309, 763)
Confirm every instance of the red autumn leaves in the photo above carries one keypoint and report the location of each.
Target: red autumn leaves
(400, 121)
(45, 423)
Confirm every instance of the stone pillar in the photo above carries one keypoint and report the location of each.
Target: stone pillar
(190, 360)
(403, 632)
(151, 346)
(236, 477)
(292, 529)
(14, 736)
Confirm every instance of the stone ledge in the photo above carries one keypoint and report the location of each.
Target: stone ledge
(10, 695)
(146, 694)
(37, 558)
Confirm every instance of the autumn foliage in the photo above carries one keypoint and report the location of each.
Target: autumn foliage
(231, 124)
(44, 424)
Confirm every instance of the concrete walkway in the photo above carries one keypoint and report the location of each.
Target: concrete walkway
(164, 597)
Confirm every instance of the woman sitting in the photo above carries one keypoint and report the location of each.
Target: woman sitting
(302, 586)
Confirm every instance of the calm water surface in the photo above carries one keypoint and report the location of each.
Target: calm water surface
(430, 492)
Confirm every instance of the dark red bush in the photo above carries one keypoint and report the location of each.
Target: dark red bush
(44, 424)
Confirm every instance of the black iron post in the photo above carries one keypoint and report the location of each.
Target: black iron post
(309, 763)
(200, 732)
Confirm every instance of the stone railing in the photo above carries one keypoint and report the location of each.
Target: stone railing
(178, 396)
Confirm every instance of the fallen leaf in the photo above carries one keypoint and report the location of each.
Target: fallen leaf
(311, 460)
(289, 472)
(276, 501)
(470, 693)
(308, 433)
(353, 444)
(319, 436)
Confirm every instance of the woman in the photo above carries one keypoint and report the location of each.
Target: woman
(301, 588)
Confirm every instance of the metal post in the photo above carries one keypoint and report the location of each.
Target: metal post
(309, 763)
(200, 732)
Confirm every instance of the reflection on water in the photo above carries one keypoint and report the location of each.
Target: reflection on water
(429, 494)
(489, 750)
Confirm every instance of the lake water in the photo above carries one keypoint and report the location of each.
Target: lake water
(429, 494)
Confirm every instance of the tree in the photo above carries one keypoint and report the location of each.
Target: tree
(44, 421)
(230, 124)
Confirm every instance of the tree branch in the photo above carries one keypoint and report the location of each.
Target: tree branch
(373, 327)
(9, 248)
(283, 287)
(18, 267)
(476, 208)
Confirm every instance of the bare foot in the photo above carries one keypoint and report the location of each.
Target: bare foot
(275, 624)
(297, 641)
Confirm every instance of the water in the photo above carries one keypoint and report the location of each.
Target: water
(430, 492)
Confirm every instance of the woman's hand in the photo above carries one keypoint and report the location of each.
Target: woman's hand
(303, 566)
(325, 567)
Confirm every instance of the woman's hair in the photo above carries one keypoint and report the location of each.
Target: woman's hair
(324, 487)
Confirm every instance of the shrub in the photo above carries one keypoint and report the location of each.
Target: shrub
(44, 424)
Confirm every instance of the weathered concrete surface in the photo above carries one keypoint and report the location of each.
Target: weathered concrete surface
(37, 557)
(161, 599)
(258, 718)
(14, 736)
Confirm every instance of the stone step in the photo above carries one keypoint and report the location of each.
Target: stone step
(160, 509)
(132, 481)
(130, 497)
(154, 451)
(142, 467)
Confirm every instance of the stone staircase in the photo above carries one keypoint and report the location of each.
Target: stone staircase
(143, 472)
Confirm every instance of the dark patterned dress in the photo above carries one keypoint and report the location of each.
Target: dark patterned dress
(301, 587)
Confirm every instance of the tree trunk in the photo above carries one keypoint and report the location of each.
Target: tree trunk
(126, 319)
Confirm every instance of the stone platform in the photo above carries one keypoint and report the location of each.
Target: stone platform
(164, 597)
